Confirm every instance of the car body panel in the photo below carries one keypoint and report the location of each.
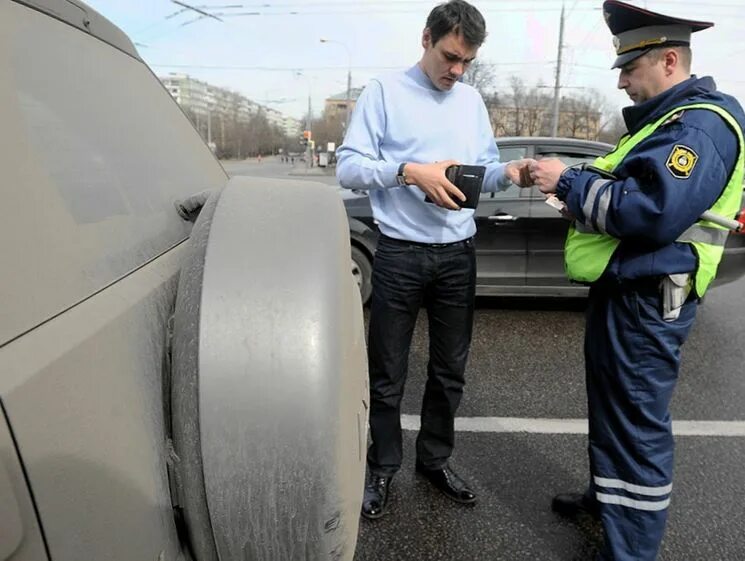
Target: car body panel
(501, 240)
(96, 216)
(83, 393)
(78, 14)
(20, 535)
(94, 156)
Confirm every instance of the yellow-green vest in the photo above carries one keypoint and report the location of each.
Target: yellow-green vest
(587, 252)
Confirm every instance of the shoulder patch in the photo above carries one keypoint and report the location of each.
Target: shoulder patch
(681, 161)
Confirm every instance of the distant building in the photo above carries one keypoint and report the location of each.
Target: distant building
(211, 104)
(336, 105)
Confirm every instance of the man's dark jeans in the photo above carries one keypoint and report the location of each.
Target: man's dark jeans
(406, 277)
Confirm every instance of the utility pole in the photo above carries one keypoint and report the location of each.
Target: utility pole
(309, 159)
(349, 78)
(209, 128)
(557, 83)
(349, 98)
(308, 124)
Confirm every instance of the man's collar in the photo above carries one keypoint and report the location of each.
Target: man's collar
(420, 77)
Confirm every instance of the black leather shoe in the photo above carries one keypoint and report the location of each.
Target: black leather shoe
(447, 481)
(572, 505)
(375, 497)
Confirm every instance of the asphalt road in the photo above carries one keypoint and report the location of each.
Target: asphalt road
(272, 167)
(526, 363)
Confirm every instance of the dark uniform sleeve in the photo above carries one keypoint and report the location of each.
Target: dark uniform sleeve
(664, 184)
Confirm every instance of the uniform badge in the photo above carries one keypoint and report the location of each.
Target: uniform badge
(681, 161)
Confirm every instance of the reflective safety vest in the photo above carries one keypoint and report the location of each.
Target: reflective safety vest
(587, 251)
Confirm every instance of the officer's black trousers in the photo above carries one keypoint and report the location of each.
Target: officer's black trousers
(405, 278)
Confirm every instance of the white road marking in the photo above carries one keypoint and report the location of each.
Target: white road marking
(573, 426)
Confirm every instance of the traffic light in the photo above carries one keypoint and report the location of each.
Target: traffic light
(307, 135)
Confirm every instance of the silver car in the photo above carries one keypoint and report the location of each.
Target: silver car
(182, 377)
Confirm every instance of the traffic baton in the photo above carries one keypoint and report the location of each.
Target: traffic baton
(736, 225)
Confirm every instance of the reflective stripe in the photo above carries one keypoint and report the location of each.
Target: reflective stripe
(591, 196)
(704, 234)
(631, 488)
(603, 206)
(638, 505)
(584, 228)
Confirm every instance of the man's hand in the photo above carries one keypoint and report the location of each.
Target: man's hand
(518, 171)
(545, 173)
(431, 179)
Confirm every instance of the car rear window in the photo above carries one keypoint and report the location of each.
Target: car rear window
(94, 153)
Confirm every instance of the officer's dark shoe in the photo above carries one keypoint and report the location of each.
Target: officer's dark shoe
(375, 497)
(572, 505)
(447, 481)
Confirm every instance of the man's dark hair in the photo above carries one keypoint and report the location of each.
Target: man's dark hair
(459, 17)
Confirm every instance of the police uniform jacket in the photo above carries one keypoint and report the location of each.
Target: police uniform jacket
(653, 202)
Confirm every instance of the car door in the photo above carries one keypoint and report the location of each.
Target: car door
(547, 228)
(501, 239)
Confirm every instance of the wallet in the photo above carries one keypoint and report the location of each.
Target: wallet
(469, 180)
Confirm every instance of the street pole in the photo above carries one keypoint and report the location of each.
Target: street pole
(557, 84)
(309, 158)
(308, 125)
(209, 128)
(349, 79)
(349, 97)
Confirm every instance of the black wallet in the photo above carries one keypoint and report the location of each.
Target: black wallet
(469, 180)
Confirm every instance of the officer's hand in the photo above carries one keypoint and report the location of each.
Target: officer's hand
(431, 179)
(545, 173)
(518, 171)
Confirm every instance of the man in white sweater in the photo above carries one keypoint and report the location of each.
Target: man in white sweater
(407, 128)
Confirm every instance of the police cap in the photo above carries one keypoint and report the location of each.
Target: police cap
(637, 31)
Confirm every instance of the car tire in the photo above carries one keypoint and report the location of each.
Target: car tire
(362, 273)
(269, 378)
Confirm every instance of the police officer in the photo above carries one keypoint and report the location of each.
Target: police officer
(638, 241)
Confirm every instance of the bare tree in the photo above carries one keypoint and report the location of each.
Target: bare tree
(536, 110)
(517, 98)
(329, 128)
(522, 111)
(482, 76)
(580, 116)
(525, 110)
(612, 129)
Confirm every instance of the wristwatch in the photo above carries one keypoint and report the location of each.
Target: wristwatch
(401, 176)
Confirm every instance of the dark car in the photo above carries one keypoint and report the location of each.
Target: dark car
(519, 239)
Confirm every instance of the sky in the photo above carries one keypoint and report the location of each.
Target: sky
(272, 53)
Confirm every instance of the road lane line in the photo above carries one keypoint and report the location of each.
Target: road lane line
(573, 426)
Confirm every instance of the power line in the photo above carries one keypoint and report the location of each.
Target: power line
(320, 68)
(344, 3)
(361, 10)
